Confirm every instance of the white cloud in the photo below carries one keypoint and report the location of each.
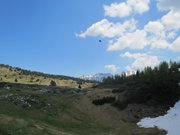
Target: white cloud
(112, 68)
(133, 55)
(139, 6)
(118, 10)
(156, 34)
(176, 45)
(155, 27)
(134, 40)
(159, 43)
(109, 29)
(141, 60)
(124, 9)
(171, 20)
(162, 33)
(168, 5)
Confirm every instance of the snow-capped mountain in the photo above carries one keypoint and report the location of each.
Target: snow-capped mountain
(129, 73)
(96, 77)
(100, 76)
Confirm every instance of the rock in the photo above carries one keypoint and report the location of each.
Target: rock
(7, 87)
(44, 90)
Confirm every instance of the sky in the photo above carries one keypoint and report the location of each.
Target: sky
(87, 37)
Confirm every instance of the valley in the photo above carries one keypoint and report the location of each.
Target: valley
(59, 105)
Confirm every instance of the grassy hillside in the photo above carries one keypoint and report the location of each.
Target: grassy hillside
(31, 107)
(26, 111)
(17, 75)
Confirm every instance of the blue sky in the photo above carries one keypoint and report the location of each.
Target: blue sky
(62, 36)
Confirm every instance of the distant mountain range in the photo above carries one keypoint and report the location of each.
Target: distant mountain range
(95, 77)
(100, 76)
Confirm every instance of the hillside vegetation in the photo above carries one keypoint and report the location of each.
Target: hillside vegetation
(158, 88)
(33, 103)
(18, 75)
(28, 111)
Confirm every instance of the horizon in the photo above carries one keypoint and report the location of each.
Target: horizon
(51, 73)
(72, 38)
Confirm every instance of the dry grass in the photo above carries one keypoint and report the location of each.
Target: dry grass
(7, 75)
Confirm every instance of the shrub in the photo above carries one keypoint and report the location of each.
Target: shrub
(79, 86)
(52, 83)
(120, 104)
(16, 80)
(104, 100)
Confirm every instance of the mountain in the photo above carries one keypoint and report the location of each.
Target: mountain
(100, 76)
(96, 77)
(129, 73)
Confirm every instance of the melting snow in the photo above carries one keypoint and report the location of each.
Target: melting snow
(169, 122)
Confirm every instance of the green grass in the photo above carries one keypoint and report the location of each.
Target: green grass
(68, 114)
(62, 116)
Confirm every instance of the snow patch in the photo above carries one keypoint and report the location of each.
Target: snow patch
(169, 122)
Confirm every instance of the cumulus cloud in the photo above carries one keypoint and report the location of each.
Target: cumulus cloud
(159, 43)
(105, 28)
(171, 23)
(162, 33)
(118, 10)
(168, 5)
(176, 45)
(111, 68)
(139, 6)
(141, 60)
(133, 55)
(158, 34)
(124, 9)
(171, 20)
(134, 40)
(155, 27)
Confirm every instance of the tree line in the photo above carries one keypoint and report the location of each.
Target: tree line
(160, 84)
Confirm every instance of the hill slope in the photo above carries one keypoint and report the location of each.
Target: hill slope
(31, 112)
(26, 109)
(18, 75)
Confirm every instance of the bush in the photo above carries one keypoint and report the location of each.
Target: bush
(104, 100)
(16, 80)
(52, 83)
(79, 86)
(120, 104)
